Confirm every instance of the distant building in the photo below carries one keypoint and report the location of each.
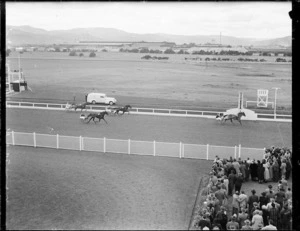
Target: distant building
(20, 49)
(256, 54)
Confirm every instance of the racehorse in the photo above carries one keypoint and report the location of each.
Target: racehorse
(123, 109)
(100, 116)
(233, 117)
(82, 106)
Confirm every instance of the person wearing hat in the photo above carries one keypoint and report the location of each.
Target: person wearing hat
(231, 179)
(221, 217)
(238, 182)
(243, 200)
(257, 220)
(263, 200)
(255, 208)
(242, 217)
(285, 217)
(274, 214)
(247, 225)
(232, 224)
(253, 198)
(235, 203)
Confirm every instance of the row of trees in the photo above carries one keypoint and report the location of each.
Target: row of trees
(73, 53)
(154, 57)
(201, 52)
(282, 60)
(227, 59)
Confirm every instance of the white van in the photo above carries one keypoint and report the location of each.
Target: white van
(100, 98)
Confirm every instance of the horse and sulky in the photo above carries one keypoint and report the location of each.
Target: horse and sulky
(224, 117)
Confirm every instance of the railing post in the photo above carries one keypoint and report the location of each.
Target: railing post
(80, 148)
(235, 150)
(128, 146)
(82, 143)
(180, 145)
(57, 140)
(13, 137)
(104, 145)
(207, 148)
(154, 148)
(34, 139)
(182, 151)
(239, 150)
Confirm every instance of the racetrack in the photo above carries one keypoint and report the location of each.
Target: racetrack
(253, 134)
(61, 189)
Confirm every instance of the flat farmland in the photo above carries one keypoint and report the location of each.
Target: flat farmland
(171, 83)
(68, 190)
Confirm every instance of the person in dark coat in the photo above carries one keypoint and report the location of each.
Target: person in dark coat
(253, 171)
(253, 198)
(263, 200)
(275, 171)
(231, 179)
(247, 171)
(260, 172)
(238, 182)
(288, 169)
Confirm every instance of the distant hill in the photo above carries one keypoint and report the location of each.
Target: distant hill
(22, 35)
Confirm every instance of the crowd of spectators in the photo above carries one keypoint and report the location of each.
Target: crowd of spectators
(272, 210)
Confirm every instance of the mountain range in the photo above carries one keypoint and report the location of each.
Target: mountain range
(24, 35)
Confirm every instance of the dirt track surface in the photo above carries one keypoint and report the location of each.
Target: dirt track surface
(148, 128)
(60, 189)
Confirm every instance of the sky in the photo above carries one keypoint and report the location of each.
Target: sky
(239, 19)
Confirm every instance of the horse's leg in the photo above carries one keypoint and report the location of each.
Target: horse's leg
(94, 120)
(104, 120)
(89, 119)
(240, 122)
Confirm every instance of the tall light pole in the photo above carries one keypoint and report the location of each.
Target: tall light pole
(19, 73)
(276, 88)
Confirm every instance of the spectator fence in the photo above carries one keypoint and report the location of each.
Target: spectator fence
(153, 148)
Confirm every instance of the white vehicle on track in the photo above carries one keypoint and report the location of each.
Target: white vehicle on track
(100, 98)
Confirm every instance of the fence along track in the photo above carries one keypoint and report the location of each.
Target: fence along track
(143, 111)
(154, 148)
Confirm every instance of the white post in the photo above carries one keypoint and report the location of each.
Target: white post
(239, 150)
(128, 146)
(80, 148)
(82, 143)
(235, 150)
(57, 140)
(13, 137)
(104, 145)
(207, 148)
(154, 148)
(180, 149)
(34, 140)
(276, 88)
